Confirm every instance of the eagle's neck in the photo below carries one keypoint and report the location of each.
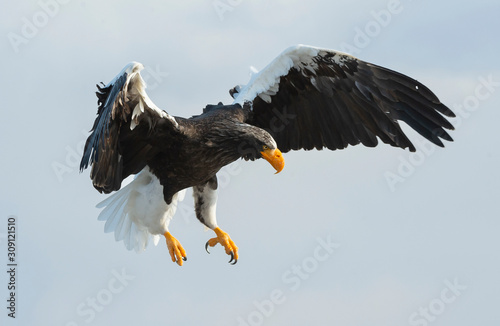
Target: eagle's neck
(227, 141)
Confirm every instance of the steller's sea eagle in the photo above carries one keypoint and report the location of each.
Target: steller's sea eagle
(306, 98)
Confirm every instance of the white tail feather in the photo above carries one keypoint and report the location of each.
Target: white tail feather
(138, 211)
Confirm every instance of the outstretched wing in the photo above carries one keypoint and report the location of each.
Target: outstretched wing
(313, 98)
(123, 135)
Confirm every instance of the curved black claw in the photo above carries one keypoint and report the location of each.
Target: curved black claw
(232, 258)
(184, 258)
(206, 247)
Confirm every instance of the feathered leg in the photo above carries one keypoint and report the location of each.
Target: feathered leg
(205, 200)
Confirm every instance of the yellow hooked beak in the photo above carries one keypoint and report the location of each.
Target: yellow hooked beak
(275, 158)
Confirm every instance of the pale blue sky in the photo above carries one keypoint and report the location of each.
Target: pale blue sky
(414, 237)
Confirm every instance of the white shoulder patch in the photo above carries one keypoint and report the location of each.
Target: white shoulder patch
(134, 89)
(265, 83)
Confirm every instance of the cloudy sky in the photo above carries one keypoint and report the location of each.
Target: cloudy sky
(354, 237)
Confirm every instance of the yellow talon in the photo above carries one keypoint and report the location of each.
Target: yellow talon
(225, 241)
(177, 252)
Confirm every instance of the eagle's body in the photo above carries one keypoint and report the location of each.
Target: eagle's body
(198, 148)
(306, 98)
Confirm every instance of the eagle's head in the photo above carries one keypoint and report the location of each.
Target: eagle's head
(258, 143)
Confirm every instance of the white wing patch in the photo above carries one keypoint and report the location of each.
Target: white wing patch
(139, 108)
(138, 211)
(135, 89)
(265, 84)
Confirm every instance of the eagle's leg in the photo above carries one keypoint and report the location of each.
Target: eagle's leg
(205, 200)
(225, 241)
(177, 252)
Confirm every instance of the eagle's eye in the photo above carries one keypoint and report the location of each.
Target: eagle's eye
(265, 147)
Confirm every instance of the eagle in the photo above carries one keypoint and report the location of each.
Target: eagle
(306, 98)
